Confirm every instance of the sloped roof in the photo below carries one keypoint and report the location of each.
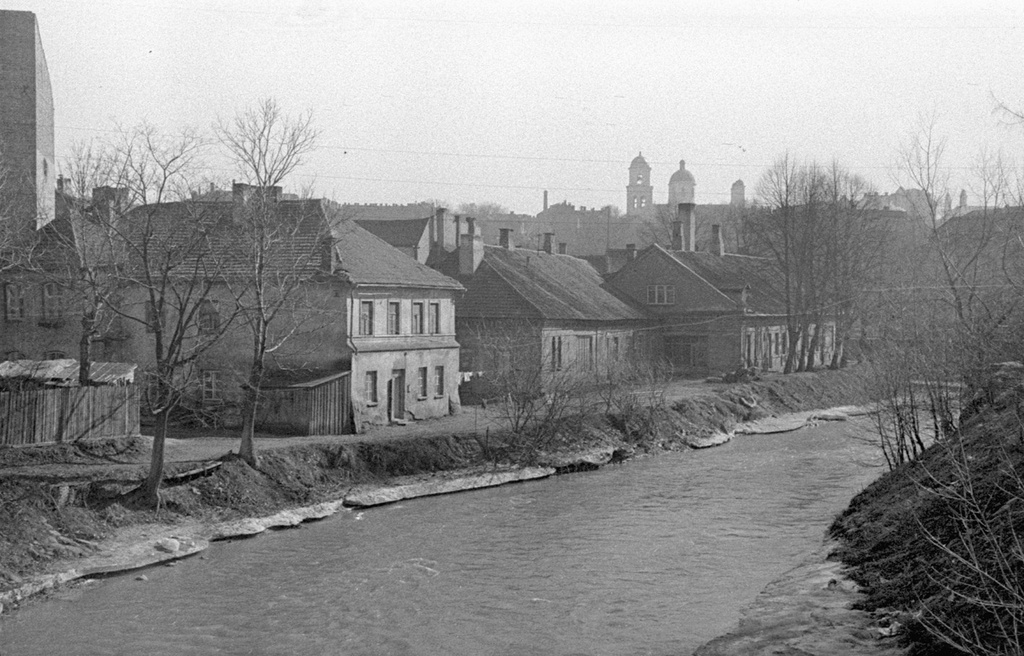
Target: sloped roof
(558, 287)
(731, 273)
(64, 373)
(365, 259)
(400, 233)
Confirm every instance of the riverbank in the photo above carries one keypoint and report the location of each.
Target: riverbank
(936, 543)
(57, 528)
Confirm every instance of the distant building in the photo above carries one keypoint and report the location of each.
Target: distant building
(26, 120)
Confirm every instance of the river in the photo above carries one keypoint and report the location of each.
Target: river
(653, 556)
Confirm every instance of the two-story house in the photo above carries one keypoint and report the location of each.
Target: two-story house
(717, 311)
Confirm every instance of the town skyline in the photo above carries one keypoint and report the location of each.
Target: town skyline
(500, 102)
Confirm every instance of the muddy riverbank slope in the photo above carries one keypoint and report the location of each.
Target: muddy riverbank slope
(62, 505)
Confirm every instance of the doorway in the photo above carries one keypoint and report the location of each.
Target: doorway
(396, 395)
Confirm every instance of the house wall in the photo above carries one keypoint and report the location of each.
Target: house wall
(33, 336)
(407, 351)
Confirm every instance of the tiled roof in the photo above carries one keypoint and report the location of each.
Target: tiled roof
(731, 273)
(401, 233)
(556, 287)
(307, 227)
(365, 259)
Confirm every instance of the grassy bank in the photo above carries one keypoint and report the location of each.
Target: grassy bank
(58, 503)
(937, 543)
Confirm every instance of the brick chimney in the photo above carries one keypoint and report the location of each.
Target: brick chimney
(505, 238)
(563, 248)
(683, 228)
(549, 238)
(717, 243)
(107, 200)
(630, 252)
(545, 199)
(471, 253)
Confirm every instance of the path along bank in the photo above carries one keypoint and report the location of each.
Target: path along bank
(305, 482)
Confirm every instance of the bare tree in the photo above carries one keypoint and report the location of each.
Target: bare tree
(279, 248)
(161, 257)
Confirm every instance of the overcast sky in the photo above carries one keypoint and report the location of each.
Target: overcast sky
(497, 101)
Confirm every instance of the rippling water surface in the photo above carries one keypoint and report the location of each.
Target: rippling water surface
(655, 556)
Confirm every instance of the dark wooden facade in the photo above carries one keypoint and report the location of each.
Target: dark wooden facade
(317, 407)
(67, 414)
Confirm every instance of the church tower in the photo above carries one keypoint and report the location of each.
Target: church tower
(681, 187)
(639, 192)
(26, 121)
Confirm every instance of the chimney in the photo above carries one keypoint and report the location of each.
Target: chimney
(470, 226)
(630, 252)
(458, 231)
(107, 199)
(549, 238)
(963, 198)
(563, 248)
(505, 237)
(471, 253)
(717, 244)
(683, 228)
(545, 200)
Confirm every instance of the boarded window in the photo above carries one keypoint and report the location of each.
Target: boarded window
(585, 351)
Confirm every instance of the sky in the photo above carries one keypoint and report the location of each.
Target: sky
(476, 101)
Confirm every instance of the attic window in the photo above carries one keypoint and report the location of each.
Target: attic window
(661, 294)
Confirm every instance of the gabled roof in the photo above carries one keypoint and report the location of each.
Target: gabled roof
(365, 259)
(555, 287)
(731, 274)
(400, 233)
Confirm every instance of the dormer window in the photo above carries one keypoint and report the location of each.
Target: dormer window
(661, 294)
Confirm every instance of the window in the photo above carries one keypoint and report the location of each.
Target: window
(424, 383)
(366, 317)
(53, 303)
(556, 353)
(14, 355)
(211, 385)
(209, 317)
(14, 302)
(438, 381)
(54, 355)
(417, 318)
(434, 319)
(661, 294)
(615, 347)
(371, 388)
(394, 318)
(585, 351)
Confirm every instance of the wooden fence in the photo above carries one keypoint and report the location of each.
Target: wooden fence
(67, 414)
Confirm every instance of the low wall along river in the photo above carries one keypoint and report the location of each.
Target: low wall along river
(654, 556)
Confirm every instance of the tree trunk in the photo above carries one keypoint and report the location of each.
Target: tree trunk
(151, 488)
(250, 406)
(85, 347)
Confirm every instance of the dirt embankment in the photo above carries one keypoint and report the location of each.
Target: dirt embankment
(59, 504)
(937, 544)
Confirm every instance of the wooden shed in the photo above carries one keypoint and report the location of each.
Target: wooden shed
(322, 406)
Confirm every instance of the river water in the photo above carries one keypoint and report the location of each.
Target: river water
(654, 556)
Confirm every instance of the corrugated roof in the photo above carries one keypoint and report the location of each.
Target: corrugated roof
(64, 372)
(559, 287)
(402, 233)
(365, 259)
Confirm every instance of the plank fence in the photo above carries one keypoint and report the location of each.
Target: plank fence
(67, 414)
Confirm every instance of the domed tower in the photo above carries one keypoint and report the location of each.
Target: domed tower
(680, 186)
(639, 192)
